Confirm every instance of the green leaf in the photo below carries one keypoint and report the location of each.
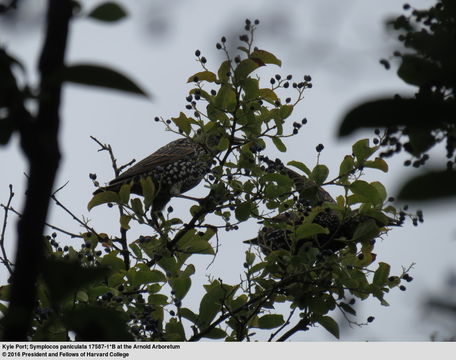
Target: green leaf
(307, 230)
(99, 75)
(381, 274)
(136, 205)
(215, 333)
(203, 76)
(279, 144)
(210, 304)
(188, 314)
(108, 12)
(347, 308)
(4, 292)
(245, 67)
(124, 193)
(300, 166)
(243, 211)
(366, 191)
(365, 231)
(319, 174)
(124, 221)
(285, 111)
(180, 284)
(223, 71)
(268, 95)
(346, 166)
(266, 57)
(435, 185)
(157, 299)
(281, 180)
(270, 321)
(174, 330)
(183, 123)
(148, 276)
(251, 89)
(148, 190)
(226, 98)
(378, 163)
(329, 324)
(380, 190)
(112, 261)
(362, 150)
(103, 198)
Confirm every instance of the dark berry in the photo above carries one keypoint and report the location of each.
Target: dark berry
(370, 319)
(197, 53)
(319, 147)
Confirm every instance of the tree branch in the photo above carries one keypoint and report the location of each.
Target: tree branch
(39, 141)
(4, 258)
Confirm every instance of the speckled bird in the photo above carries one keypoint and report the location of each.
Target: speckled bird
(174, 168)
(313, 198)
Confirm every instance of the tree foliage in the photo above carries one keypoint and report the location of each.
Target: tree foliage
(115, 287)
(416, 124)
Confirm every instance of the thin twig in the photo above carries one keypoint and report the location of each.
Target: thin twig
(301, 325)
(274, 334)
(117, 170)
(4, 258)
(53, 227)
(87, 227)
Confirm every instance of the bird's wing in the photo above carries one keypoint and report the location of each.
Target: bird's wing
(168, 154)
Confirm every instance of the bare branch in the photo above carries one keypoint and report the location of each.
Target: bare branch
(4, 257)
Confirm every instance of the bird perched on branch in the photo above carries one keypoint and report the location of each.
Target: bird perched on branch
(316, 203)
(174, 168)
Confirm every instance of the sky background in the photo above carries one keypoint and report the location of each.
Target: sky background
(339, 43)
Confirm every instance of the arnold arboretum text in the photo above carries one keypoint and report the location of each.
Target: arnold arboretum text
(314, 254)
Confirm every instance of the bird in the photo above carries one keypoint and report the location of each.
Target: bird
(174, 168)
(315, 202)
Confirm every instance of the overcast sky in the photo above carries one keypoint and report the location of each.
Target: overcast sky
(339, 43)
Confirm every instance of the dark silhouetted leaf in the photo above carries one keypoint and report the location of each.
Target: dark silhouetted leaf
(93, 323)
(431, 186)
(7, 127)
(108, 11)
(396, 112)
(64, 278)
(98, 75)
(417, 71)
